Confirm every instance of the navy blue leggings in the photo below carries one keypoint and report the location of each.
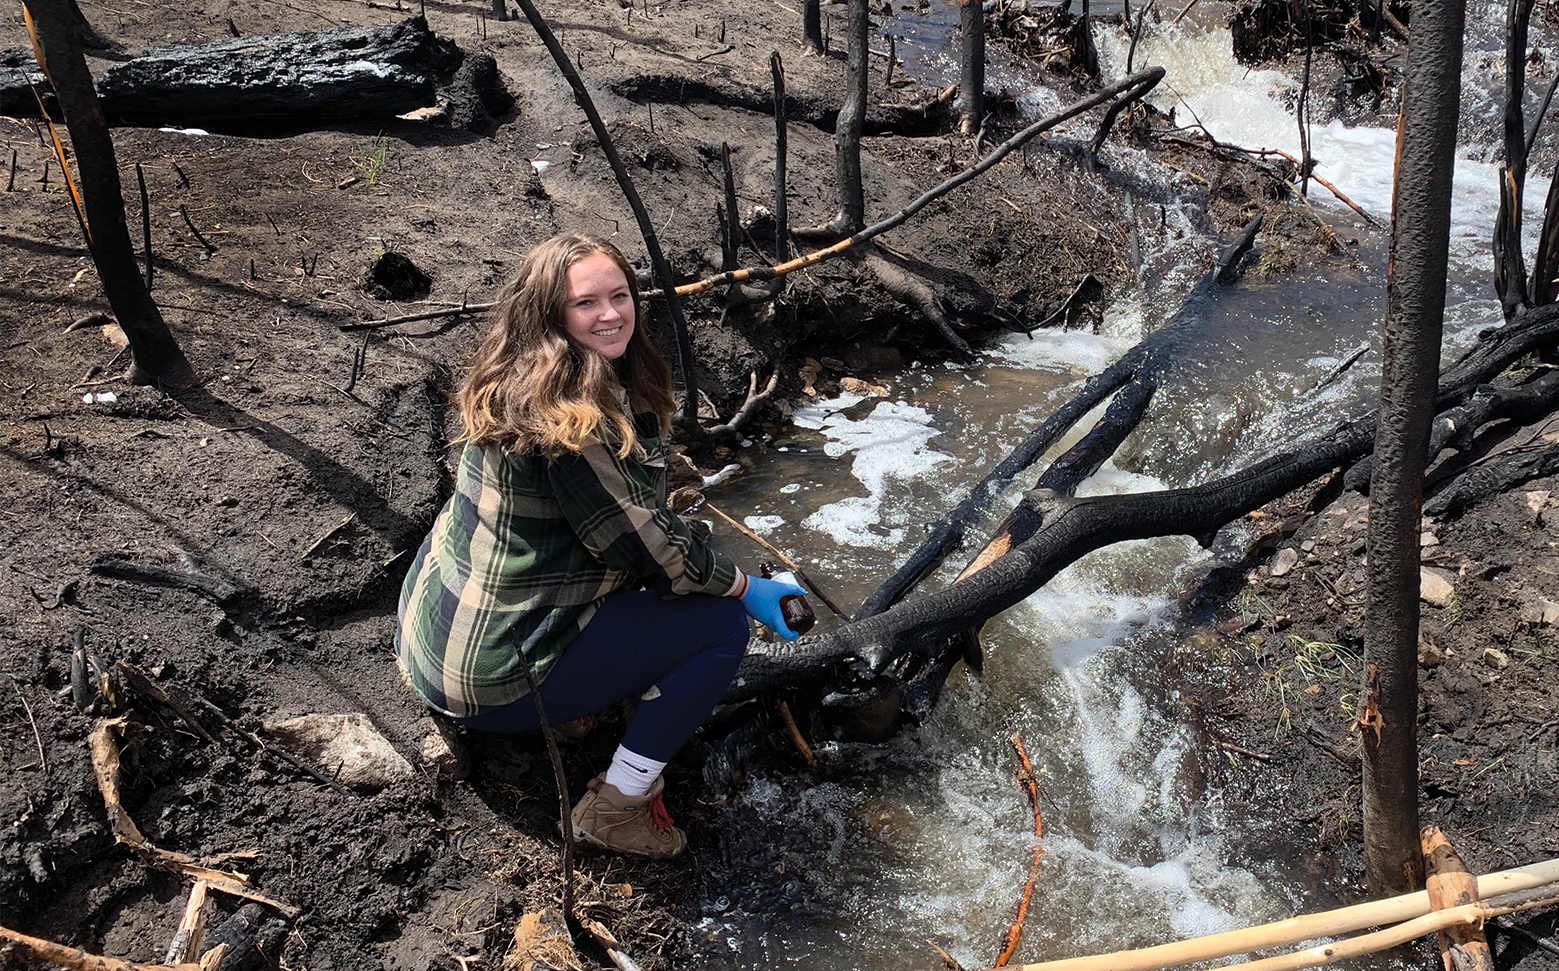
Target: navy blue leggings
(686, 647)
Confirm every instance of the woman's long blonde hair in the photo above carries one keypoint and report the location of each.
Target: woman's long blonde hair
(531, 388)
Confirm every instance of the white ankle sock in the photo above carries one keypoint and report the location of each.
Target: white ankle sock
(632, 773)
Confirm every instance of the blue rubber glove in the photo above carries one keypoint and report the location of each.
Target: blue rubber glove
(762, 603)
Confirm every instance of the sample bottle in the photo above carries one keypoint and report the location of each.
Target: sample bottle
(794, 608)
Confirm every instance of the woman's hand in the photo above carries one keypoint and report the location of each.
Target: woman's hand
(762, 602)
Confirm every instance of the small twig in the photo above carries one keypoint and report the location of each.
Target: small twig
(565, 821)
(183, 179)
(796, 737)
(1025, 775)
(43, 758)
(789, 563)
(1241, 750)
(141, 682)
(724, 50)
(191, 933)
(10, 182)
(146, 224)
(331, 531)
(474, 308)
(203, 241)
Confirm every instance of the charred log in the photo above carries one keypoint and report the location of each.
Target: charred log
(288, 80)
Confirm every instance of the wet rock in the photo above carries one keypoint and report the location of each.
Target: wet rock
(1434, 588)
(393, 276)
(1285, 561)
(346, 747)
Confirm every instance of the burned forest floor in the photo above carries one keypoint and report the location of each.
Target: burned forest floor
(300, 476)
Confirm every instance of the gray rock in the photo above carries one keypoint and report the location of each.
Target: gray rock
(345, 747)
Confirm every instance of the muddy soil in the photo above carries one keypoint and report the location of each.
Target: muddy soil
(308, 488)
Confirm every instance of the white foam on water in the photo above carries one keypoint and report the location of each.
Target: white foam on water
(890, 443)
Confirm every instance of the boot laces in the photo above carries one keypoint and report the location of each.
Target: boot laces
(658, 814)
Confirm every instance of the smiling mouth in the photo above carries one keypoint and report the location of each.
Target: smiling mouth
(607, 333)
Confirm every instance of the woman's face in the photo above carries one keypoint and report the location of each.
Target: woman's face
(598, 314)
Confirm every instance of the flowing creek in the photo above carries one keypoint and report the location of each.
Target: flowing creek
(926, 838)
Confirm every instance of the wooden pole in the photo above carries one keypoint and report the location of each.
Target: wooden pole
(1325, 954)
(1305, 927)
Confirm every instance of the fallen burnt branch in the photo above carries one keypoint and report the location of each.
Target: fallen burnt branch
(216, 589)
(1137, 364)
(1498, 474)
(1071, 528)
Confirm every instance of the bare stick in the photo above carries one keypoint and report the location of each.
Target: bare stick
(774, 551)
(1303, 928)
(77, 959)
(732, 429)
(1009, 945)
(794, 731)
(214, 588)
(1327, 954)
(730, 254)
(183, 212)
(146, 224)
(10, 182)
(328, 533)
(474, 308)
(1449, 883)
(1131, 88)
(43, 758)
(144, 684)
(565, 817)
(658, 264)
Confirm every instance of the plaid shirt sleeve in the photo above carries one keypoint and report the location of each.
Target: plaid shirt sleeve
(617, 507)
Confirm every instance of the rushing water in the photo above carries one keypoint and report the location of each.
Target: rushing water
(926, 838)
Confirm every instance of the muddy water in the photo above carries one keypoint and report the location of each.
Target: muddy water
(926, 838)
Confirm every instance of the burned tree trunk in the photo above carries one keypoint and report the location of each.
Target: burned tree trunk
(1415, 306)
(971, 22)
(812, 26)
(155, 357)
(847, 133)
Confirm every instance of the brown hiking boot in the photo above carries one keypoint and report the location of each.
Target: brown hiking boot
(637, 825)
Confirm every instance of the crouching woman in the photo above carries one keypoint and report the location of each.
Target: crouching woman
(557, 551)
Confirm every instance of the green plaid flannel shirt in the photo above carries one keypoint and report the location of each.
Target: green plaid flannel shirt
(524, 551)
